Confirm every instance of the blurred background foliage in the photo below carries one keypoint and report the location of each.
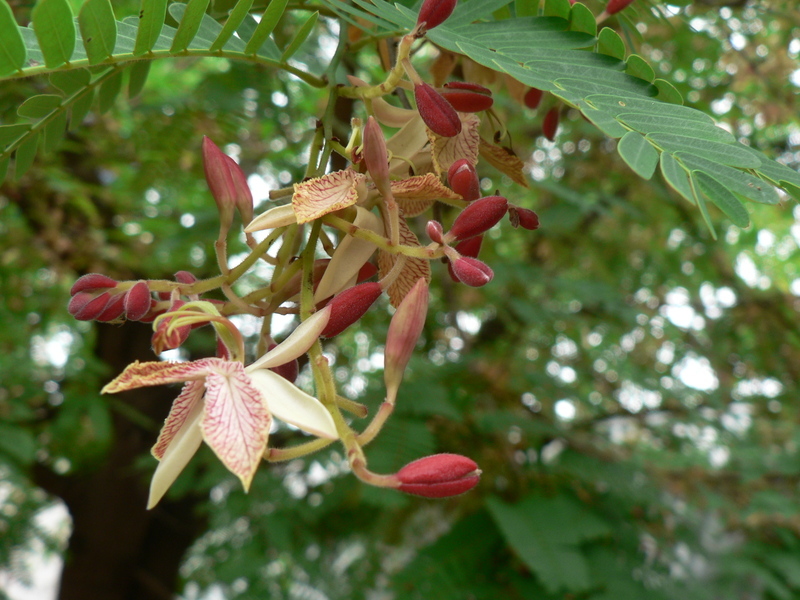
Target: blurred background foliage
(627, 384)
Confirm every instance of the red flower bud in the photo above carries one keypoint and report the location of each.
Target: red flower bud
(85, 306)
(435, 230)
(166, 339)
(185, 277)
(467, 97)
(550, 123)
(471, 271)
(439, 476)
(376, 156)
(137, 301)
(91, 282)
(437, 113)
(289, 370)
(435, 12)
(532, 98)
(113, 310)
(462, 177)
(349, 306)
(366, 271)
(614, 6)
(470, 247)
(523, 217)
(478, 217)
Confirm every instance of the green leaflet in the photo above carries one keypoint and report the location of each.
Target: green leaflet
(25, 155)
(300, 37)
(469, 12)
(37, 107)
(11, 133)
(663, 124)
(54, 130)
(55, 31)
(604, 122)
(239, 12)
(667, 92)
(80, 108)
(109, 90)
(554, 8)
(726, 154)
(676, 176)
(12, 47)
(269, 20)
(738, 182)
(138, 73)
(615, 106)
(98, 29)
(638, 153)
(581, 19)
(609, 42)
(189, 25)
(638, 67)
(723, 198)
(151, 22)
(70, 82)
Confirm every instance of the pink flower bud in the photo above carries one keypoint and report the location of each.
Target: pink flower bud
(550, 123)
(242, 195)
(91, 282)
(437, 113)
(366, 271)
(113, 310)
(219, 181)
(349, 306)
(523, 217)
(614, 6)
(467, 97)
(435, 12)
(376, 156)
(435, 231)
(532, 98)
(404, 331)
(471, 271)
(478, 217)
(137, 301)
(439, 476)
(185, 277)
(470, 247)
(462, 177)
(85, 306)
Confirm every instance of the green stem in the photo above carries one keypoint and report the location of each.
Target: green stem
(424, 252)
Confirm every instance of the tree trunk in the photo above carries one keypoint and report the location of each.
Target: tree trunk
(118, 550)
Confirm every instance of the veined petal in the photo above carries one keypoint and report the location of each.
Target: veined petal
(416, 194)
(505, 161)
(143, 374)
(182, 407)
(446, 150)
(413, 270)
(297, 344)
(405, 144)
(236, 421)
(323, 195)
(178, 453)
(292, 405)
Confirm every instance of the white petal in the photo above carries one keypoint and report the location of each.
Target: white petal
(279, 216)
(297, 344)
(177, 455)
(292, 405)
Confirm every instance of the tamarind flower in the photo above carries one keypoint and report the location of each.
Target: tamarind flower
(228, 406)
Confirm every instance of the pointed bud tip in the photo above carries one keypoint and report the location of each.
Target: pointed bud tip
(435, 12)
(436, 112)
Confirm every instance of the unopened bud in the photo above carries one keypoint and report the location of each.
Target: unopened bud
(437, 113)
(471, 271)
(349, 306)
(462, 177)
(113, 310)
(289, 370)
(435, 12)
(242, 195)
(467, 97)
(533, 97)
(169, 338)
(478, 217)
(439, 476)
(185, 277)
(470, 247)
(376, 156)
(434, 230)
(550, 123)
(137, 301)
(91, 282)
(523, 217)
(614, 6)
(367, 271)
(219, 181)
(85, 306)
(404, 331)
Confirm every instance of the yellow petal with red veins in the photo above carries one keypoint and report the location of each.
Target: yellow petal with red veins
(235, 421)
(143, 374)
(320, 196)
(416, 194)
(505, 161)
(182, 447)
(445, 151)
(184, 405)
(413, 270)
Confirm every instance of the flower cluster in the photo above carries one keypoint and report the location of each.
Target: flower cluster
(361, 216)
